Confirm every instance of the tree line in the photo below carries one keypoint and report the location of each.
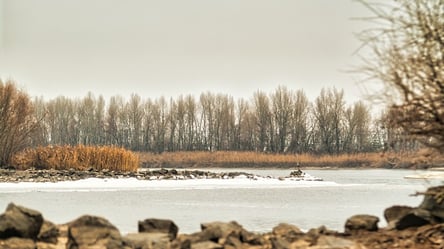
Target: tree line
(284, 121)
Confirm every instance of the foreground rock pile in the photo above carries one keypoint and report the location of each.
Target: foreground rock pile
(420, 227)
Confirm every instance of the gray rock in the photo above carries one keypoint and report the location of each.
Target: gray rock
(18, 221)
(93, 232)
(158, 226)
(361, 222)
(17, 243)
(147, 240)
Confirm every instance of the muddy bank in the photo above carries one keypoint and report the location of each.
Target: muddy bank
(408, 227)
(32, 175)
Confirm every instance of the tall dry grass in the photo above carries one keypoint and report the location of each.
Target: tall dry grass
(255, 159)
(77, 157)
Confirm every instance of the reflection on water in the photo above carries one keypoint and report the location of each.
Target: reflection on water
(256, 207)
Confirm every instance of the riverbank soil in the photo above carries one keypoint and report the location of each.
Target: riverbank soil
(419, 227)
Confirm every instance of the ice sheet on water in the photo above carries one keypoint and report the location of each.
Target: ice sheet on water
(95, 184)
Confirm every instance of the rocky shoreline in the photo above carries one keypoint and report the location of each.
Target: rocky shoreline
(33, 175)
(408, 227)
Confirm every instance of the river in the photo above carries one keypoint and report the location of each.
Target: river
(257, 205)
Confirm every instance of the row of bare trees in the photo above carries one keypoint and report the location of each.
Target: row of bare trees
(283, 121)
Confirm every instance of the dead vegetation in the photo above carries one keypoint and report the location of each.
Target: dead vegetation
(232, 159)
(77, 157)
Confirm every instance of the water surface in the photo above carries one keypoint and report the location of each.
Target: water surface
(257, 205)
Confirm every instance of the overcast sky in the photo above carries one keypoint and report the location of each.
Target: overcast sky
(172, 47)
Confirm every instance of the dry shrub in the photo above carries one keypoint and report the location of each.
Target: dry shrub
(77, 157)
(255, 159)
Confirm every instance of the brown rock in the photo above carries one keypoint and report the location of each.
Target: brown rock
(18, 221)
(300, 244)
(287, 231)
(48, 232)
(147, 240)
(279, 243)
(206, 245)
(415, 218)
(93, 232)
(219, 231)
(394, 213)
(158, 226)
(361, 222)
(17, 243)
(331, 242)
(434, 202)
(322, 230)
(233, 242)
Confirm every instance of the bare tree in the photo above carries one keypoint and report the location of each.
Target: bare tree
(62, 121)
(263, 119)
(406, 44)
(135, 116)
(299, 124)
(356, 137)
(111, 123)
(282, 107)
(328, 112)
(190, 109)
(207, 120)
(17, 121)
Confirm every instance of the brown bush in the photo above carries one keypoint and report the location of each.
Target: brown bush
(17, 121)
(77, 157)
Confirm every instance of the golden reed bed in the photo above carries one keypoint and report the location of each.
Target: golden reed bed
(77, 157)
(118, 159)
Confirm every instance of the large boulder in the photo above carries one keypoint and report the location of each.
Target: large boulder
(361, 222)
(18, 221)
(225, 234)
(394, 213)
(158, 226)
(17, 243)
(93, 232)
(415, 218)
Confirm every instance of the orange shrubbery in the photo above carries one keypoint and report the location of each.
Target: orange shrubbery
(77, 157)
(255, 159)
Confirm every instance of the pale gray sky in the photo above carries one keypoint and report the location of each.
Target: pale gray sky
(172, 47)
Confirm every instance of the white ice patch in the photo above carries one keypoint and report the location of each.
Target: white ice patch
(96, 184)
